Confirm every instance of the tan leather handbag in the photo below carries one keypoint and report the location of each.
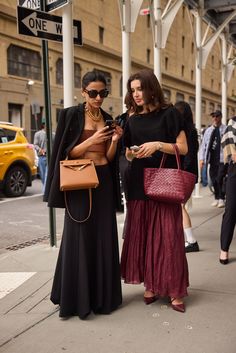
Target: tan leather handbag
(75, 175)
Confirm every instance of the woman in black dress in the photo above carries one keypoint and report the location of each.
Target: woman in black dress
(228, 144)
(190, 164)
(87, 275)
(153, 250)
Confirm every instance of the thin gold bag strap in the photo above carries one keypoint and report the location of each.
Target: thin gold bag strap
(90, 208)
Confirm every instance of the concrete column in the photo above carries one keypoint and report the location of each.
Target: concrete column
(68, 56)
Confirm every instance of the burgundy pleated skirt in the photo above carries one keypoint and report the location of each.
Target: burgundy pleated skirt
(153, 250)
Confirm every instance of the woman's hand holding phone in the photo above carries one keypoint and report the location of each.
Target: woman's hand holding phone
(114, 129)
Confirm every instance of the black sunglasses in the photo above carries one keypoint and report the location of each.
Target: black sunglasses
(93, 93)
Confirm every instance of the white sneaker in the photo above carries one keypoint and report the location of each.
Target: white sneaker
(215, 203)
(221, 204)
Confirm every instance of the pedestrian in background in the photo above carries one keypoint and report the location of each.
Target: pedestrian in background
(190, 164)
(203, 170)
(229, 217)
(40, 145)
(87, 275)
(211, 153)
(124, 164)
(153, 249)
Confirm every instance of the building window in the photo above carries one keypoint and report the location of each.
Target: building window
(212, 60)
(121, 86)
(211, 107)
(148, 55)
(101, 34)
(108, 78)
(77, 75)
(182, 70)
(212, 83)
(219, 64)
(23, 62)
(167, 95)
(192, 75)
(148, 21)
(59, 72)
(192, 48)
(219, 86)
(183, 41)
(166, 63)
(203, 106)
(15, 114)
(179, 97)
(192, 103)
(183, 12)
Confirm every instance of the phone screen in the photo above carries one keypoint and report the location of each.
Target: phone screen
(111, 123)
(135, 148)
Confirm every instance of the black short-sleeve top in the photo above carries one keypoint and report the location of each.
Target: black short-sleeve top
(164, 125)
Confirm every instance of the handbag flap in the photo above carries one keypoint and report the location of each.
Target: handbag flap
(76, 162)
(78, 174)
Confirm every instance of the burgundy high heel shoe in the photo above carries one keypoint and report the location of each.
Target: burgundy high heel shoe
(177, 307)
(150, 300)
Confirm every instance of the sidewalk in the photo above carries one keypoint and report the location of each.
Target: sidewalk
(29, 322)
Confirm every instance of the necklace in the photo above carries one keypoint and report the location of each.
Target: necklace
(95, 118)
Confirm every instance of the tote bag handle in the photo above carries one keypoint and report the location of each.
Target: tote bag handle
(176, 149)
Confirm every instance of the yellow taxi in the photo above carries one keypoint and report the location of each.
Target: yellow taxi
(18, 160)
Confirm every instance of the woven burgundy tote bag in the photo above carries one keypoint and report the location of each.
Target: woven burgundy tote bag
(169, 185)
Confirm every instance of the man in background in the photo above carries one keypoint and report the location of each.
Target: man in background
(211, 153)
(40, 144)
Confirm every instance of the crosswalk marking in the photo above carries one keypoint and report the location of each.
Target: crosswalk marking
(9, 281)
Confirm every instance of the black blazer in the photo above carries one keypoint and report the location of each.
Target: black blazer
(70, 126)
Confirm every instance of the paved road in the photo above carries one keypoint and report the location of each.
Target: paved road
(25, 219)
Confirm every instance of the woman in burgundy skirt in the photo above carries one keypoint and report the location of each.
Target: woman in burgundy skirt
(153, 250)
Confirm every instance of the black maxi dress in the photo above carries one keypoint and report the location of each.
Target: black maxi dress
(87, 274)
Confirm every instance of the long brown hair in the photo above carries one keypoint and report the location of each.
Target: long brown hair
(152, 92)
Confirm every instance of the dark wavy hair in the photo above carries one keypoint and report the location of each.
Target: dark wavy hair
(93, 76)
(152, 92)
(186, 111)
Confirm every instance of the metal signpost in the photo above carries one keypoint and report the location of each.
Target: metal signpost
(42, 25)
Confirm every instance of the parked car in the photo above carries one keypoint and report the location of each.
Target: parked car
(18, 160)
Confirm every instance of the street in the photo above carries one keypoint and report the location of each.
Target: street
(25, 220)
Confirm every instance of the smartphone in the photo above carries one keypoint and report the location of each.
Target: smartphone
(134, 148)
(111, 123)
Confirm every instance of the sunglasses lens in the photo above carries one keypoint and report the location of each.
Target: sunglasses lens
(92, 93)
(103, 93)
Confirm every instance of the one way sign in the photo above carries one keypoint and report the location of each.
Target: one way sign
(42, 25)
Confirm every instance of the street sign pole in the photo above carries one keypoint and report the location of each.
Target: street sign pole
(47, 99)
(68, 57)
